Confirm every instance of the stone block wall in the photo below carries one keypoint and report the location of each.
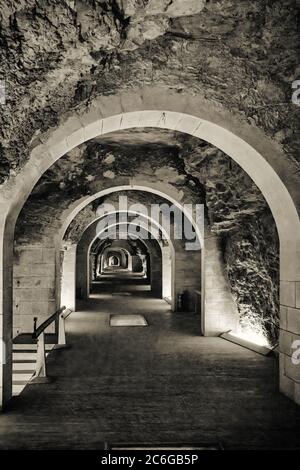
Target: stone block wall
(156, 275)
(68, 277)
(187, 275)
(220, 309)
(289, 339)
(34, 286)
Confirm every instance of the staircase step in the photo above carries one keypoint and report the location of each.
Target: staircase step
(24, 360)
(23, 366)
(20, 355)
(20, 382)
(22, 375)
(30, 347)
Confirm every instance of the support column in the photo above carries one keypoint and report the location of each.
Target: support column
(82, 267)
(167, 272)
(34, 282)
(6, 257)
(289, 339)
(68, 281)
(156, 275)
(187, 275)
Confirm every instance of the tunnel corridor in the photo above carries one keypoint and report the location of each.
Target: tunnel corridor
(160, 383)
(149, 224)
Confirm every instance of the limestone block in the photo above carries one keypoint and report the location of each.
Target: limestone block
(286, 340)
(92, 123)
(111, 124)
(48, 255)
(57, 148)
(131, 101)
(283, 317)
(298, 294)
(212, 326)
(216, 283)
(44, 269)
(291, 370)
(188, 124)
(75, 138)
(41, 158)
(34, 282)
(130, 120)
(287, 386)
(153, 119)
(33, 294)
(288, 293)
(28, 256)
(68, 135)
(108, 105)
(154, 98)
(25, 181)
(171, 120)
(289, 247)
(35, 308)
(293, 320)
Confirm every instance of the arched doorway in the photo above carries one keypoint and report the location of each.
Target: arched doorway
(259, 157)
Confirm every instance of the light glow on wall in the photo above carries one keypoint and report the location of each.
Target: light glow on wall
(251, 336)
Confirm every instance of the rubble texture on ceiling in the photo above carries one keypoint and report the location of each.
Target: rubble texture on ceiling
(89, 214)
(89, 168)
(56, 55)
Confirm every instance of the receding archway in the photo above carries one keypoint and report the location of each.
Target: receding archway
(168, 258)
(157, 267)
(256, 154)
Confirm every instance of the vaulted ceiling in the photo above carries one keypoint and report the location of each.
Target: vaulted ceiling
(56, 55)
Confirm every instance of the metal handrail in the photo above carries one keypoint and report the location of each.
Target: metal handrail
(38, 330)
(40, 375)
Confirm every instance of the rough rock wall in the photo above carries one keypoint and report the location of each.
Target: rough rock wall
(92, 167)
(239, 214)
(252, 259)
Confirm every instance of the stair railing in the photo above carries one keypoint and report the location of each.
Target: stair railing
(40, 375)
(62, 343)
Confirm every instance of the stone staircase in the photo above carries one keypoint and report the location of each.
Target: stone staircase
(24, 360)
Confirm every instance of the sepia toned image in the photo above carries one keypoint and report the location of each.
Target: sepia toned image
(149, 224)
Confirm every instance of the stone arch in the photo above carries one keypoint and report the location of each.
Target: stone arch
(72, 253)
(261, 159)
(107, 252)
(168, 252)
(156, 264)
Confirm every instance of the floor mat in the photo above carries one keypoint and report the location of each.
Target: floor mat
(127, 320)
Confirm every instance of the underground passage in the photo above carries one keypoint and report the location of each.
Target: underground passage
(150, 234)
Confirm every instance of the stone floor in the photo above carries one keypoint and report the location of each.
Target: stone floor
(157, 384)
